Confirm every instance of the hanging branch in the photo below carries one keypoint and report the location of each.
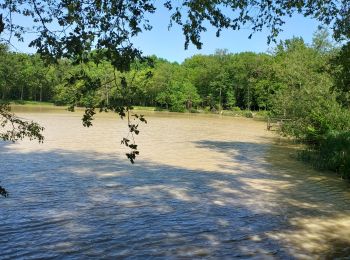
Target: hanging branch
(17, 128)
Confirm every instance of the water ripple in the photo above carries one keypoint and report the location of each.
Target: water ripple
(216, 193)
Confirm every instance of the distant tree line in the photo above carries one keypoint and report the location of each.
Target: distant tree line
(253, 81)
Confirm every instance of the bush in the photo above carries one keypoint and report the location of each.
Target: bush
(206, 109)
(193, 110)
(177, 107)
(262, 114)
(160, 109)
(248, 114)
(332, 152)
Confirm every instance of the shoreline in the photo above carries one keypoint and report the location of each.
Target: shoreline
(259, 115)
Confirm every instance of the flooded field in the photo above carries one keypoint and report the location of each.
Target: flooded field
(204, 186)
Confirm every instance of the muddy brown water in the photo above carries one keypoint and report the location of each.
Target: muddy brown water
(204, 187)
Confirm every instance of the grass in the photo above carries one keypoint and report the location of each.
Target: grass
(31, 103)
(38, 103)
(234, 113)
(332, 152)
(144, 108)
(245, 113)
(262, 115)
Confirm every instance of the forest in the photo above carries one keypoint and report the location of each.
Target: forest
(306, 84)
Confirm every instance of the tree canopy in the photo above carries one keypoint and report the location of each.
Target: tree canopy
(72, 28)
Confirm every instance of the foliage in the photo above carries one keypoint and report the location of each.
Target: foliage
(17, 128)
(341, 72)
(248, 114)
(180, 96)
(309, 99)
(331, 153)
(305, 95)
(24, 77)
(3, 192)
(108, 25)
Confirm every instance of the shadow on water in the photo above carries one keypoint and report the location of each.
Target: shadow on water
(314, 204)
(70, 204)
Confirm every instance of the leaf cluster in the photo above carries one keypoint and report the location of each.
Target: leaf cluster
(17, 128)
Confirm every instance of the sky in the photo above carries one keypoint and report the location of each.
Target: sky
(169, 44)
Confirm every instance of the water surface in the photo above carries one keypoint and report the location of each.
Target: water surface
(203, 187)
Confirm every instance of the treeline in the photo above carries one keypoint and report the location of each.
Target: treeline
(219, 81)
(307, 84)
(24, 77)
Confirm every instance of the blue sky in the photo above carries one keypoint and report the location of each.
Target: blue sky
(170, 44)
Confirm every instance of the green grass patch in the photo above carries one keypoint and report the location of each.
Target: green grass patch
(245, 113)
(144, 108)
(31, 103)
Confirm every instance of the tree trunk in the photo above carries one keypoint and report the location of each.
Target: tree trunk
(220, 108)
(41, 94)
(22, 90)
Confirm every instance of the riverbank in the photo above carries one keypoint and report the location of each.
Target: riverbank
(30, 103)
(262, 115)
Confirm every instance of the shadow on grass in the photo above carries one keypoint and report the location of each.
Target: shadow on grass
(69, 204)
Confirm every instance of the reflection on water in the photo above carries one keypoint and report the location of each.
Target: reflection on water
(203, 187)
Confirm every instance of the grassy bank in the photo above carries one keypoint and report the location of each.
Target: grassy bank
(331, 152)
(31, 103)
(233, 113)
(143, 108)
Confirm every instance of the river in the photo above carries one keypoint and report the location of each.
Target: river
(203, 187)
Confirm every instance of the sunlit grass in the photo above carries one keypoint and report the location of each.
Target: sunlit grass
(31, 103)
(144, 108)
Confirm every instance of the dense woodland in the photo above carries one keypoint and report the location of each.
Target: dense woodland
(306, 84)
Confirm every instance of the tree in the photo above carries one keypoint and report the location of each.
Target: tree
(341, 72)
(321, 41)
(179, 95)
(305, 94)
(72, 28)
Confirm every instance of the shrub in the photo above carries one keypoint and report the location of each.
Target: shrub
(332, 152)
(248, 114)
(236, 109)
